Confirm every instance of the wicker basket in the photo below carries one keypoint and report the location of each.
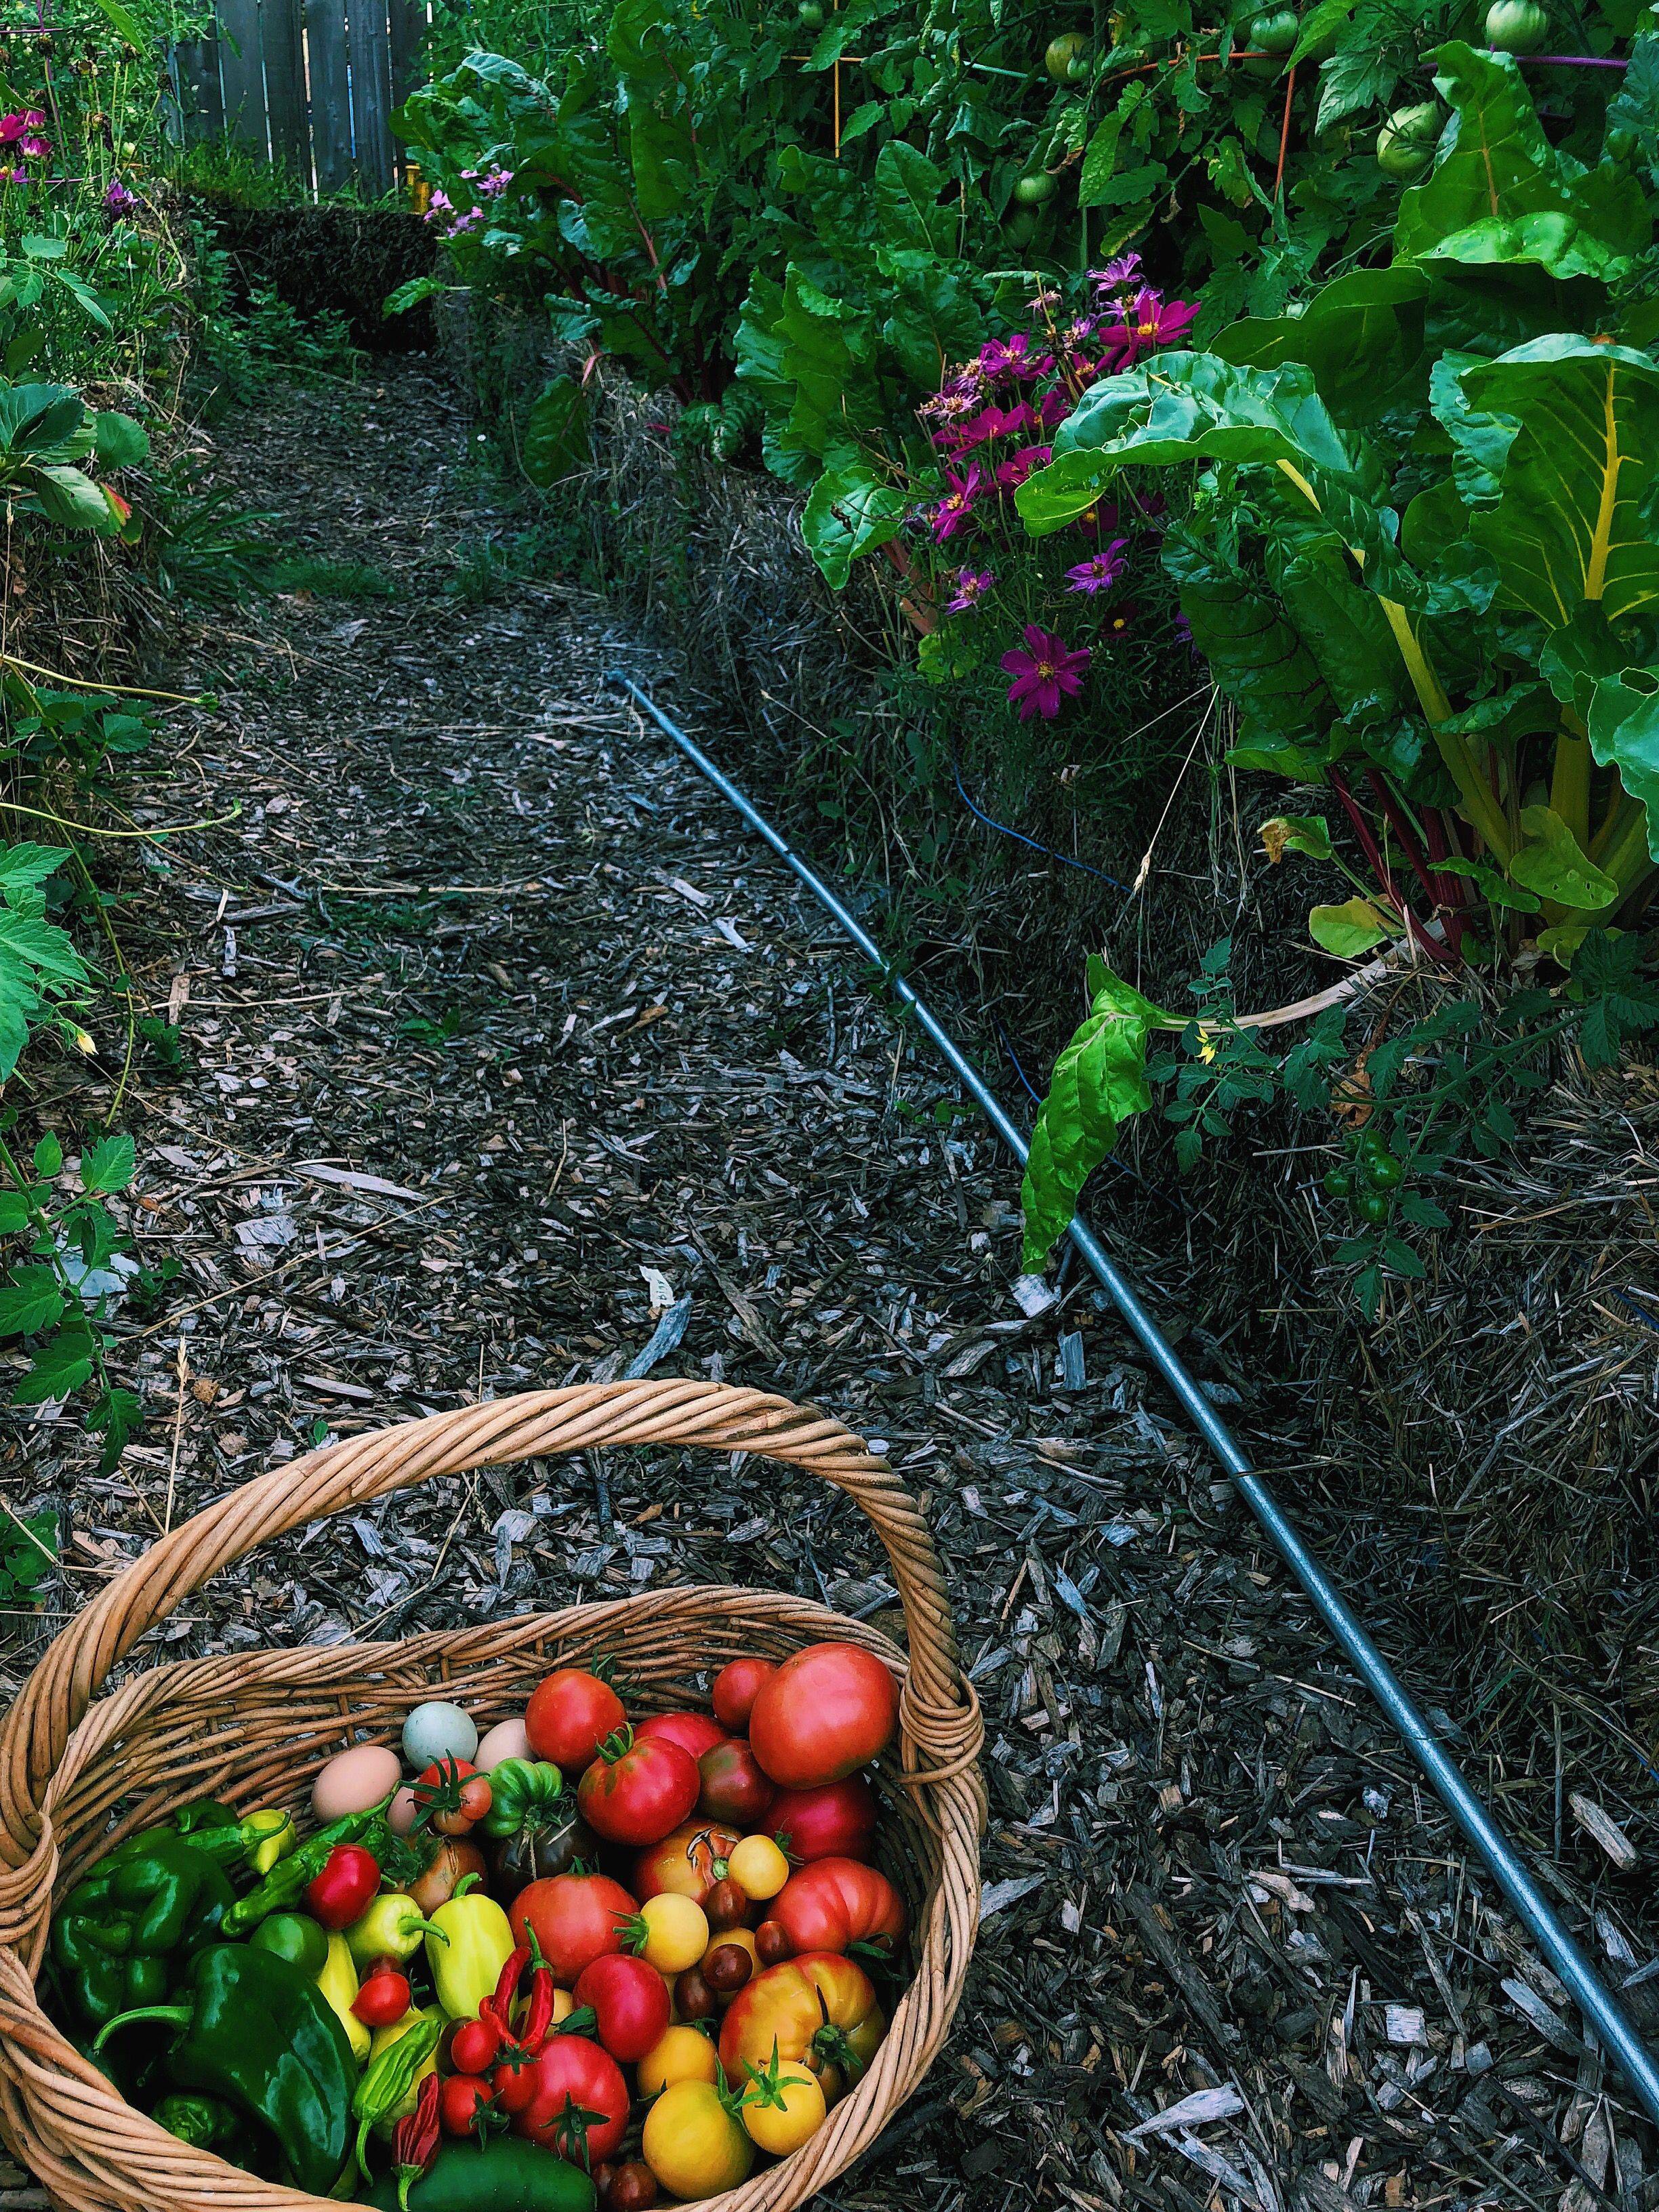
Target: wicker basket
(252, 1727)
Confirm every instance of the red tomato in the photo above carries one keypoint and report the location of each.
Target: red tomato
(574, 2076)
(459, 2096)
(575, 1917)
(693, 1732)
(735, 1689)
(837, 1820)
(635, 1792)
(825, 1712)
(452, 1795)
(833, 1903)
(630, 2004)
(732, 1786)
(683, 1863)
(569, 1716)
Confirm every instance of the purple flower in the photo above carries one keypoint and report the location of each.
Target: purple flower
(12, 128)
(117, 199)
(437, 204)
(1117, 274)
(1012, 473)
(16, 176)
(1119, 620)
(972, 585)
(1006, 357)
(1047, 670)
(494, 181)
(35, 147)
(1101, 571)
(1056, 406)
(990, 423)
(954, 510)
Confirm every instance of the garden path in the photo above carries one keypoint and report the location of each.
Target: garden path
(498, 1038)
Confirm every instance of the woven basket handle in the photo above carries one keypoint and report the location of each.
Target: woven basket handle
(938, 1714)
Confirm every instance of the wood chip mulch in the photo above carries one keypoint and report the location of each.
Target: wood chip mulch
(505, 1052)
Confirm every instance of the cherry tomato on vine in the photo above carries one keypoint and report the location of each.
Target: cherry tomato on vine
(1382, 1171)
(1373, 1205)
(1337, 1183)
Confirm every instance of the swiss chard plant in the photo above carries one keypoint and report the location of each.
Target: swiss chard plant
(1423, 564)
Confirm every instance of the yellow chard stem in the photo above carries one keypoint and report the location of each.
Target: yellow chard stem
(1570, 783)
(1473, 788)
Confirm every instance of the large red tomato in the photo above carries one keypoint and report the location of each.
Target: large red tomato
(630, 2004)
(683, 1863)
(835, 1903)
(733, 1787)
(835, 1822)
(694, 1732)
(736, 1688)
(569, 1716)
(827, 1711)
(635, 1792)
(575, 1917)
(573, 2078)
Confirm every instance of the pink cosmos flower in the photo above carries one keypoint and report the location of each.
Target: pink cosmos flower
(34, 146)
(1055, 407)
(117, 199)
(1006, 357)
(1150, 323)
(990, 423)
(1012, 473)
(1047, 670)
(972, 585)
(1101, 571)
(954, 510)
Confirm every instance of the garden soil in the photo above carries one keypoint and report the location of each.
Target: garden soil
(498, 1045)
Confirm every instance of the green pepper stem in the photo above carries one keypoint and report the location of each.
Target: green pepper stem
(180, 2015)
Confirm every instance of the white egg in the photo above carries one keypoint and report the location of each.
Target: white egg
(437, 1731)
(506, 1739)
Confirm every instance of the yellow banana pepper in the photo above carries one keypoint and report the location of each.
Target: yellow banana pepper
(337, 1986)
(469, 1942)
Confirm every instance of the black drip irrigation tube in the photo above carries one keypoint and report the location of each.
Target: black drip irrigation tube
(1600, 2007)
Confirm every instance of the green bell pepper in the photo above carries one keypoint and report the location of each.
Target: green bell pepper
(507, 2175)
(294, 1936)
(202, 2122)
(518, 1787)
(124, 1934)
(255, 2033)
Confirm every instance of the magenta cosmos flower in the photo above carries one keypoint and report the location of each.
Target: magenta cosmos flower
(1012, 358)
(1047, 670)
(1101, 571)
(1117, 274)
(954, 510)
(1012, 473)
(972, 585)
(1150, 323)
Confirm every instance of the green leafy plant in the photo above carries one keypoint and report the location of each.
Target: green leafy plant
(1423, 559)
(46, 431)
(28, 1553)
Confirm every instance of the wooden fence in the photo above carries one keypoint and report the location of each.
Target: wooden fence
(307, 85)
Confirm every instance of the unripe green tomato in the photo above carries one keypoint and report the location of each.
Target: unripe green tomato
(1067, 58)
(1337, 1183)
(1032, 192)
(1275, 31)
(811, 15)
(1020, 228)
(1406, 144)
(1382, 1171)
(1373, 1207)
(1620, 143)
(1516, 27)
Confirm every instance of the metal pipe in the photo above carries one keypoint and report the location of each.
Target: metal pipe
(1595, 2001)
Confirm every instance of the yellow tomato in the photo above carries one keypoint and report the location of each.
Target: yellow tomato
(758, 1867)
(680, 2054)
(563, 2005)
(676, 1932)
(780, 2118)
(692, 2143)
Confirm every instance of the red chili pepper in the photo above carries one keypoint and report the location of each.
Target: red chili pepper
(539, 2013)
(384, 1995)
(345, 1888)
(415, 2140)
(507, 1986)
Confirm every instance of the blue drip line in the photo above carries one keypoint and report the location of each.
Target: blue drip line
(1020, 837)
